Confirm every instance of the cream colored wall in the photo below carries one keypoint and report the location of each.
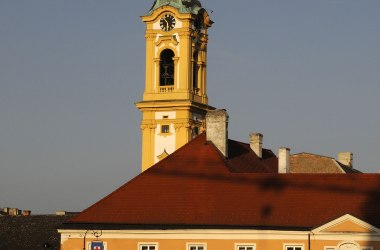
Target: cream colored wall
(164, 142)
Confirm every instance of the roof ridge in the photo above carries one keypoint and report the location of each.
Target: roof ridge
(330, 157)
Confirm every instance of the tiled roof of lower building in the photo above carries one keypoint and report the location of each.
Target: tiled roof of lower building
(30, 232)
(197, 187)
(313, 164)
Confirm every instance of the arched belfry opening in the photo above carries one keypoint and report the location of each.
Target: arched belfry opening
(166, 68)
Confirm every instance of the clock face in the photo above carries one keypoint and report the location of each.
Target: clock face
(167, 22)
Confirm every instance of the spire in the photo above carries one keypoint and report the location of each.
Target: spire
(183, 6)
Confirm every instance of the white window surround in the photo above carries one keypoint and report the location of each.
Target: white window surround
(293, 246)
(147, 244)
(348, 245)
(196, 244)
(246, 246)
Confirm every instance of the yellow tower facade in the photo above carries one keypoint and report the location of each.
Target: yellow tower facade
(175, 99)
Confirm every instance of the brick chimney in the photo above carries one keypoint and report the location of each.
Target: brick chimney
(256, 143)
(283, 160)
(346, 158)
(217, 129)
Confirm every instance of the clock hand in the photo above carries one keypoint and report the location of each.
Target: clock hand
(167, 24)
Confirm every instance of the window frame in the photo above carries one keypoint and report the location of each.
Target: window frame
(237, 245)
(164, 131)
(293, 246)
(167, 67)
(196, 244)
(140, 245)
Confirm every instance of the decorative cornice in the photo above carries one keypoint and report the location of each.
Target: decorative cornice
(170, 39)
(185, 34)
(148, 126)
(150, 36)
(182, 125)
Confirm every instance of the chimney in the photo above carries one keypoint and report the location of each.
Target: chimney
(217, 129)
(60, 213)
(26, 213)
(346, 158)
(283, 160)
(13, 211)
(256, 143)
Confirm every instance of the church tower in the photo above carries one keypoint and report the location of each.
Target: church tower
(175, 100)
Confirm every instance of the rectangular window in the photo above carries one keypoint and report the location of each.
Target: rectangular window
(196, 247)
(148, 247)
(245, 247)
(164, 129)
(293, 247)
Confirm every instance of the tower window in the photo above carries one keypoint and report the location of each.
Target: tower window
(195, 132)
(167, 68)
(164, 129)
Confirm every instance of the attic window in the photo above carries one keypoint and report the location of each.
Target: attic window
(165, 129)
(165, 117)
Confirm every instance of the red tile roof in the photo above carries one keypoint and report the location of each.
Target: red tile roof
(312, 164)
(197, 187)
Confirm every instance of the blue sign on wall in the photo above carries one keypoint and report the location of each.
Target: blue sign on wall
(97, 245)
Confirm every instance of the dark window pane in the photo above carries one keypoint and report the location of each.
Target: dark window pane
(167, 68)
(165, 129)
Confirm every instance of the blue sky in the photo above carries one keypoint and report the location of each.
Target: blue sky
(306, 74)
